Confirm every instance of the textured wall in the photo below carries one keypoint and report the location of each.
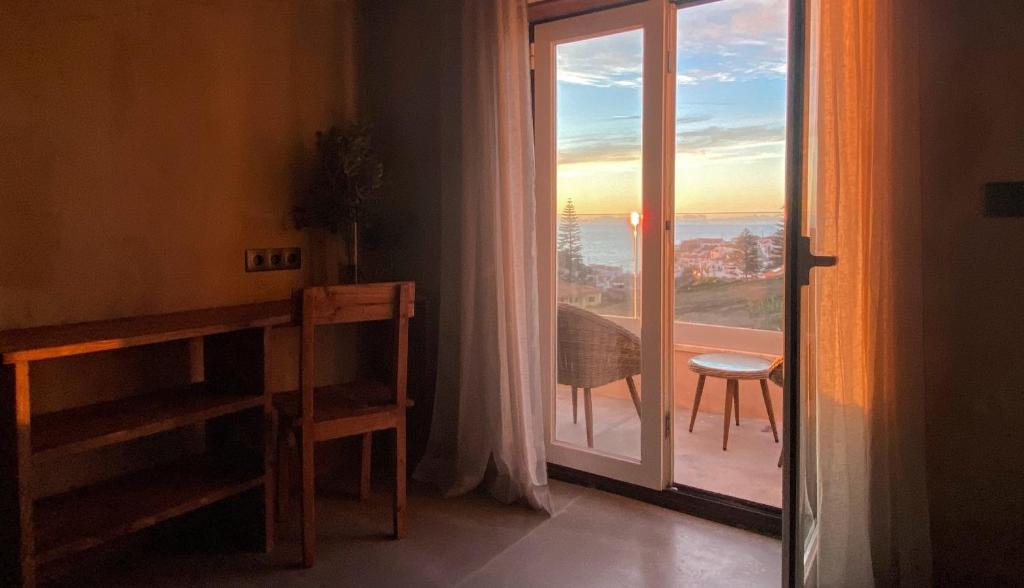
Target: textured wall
(145, 145)
(973, 116)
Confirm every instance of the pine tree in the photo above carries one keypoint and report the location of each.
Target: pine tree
(570, 245)
(776, 245)
(749, 252)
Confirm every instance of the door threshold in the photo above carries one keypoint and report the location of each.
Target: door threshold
(719, 508)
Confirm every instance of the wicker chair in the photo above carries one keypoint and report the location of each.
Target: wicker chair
(777, 374)
(594, 351)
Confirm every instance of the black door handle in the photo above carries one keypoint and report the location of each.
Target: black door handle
(806, 261)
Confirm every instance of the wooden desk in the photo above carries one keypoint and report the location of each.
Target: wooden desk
(228, 375)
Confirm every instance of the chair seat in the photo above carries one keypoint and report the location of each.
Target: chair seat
(731, 366)
(340, 401)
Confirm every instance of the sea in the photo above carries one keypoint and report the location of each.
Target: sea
(607, 239)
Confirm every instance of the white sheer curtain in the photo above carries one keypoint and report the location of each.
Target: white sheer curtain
(487, 416)
(865, 164)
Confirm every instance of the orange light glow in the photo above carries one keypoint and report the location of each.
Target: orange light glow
(634, 219)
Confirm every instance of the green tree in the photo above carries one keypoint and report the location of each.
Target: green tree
(776, 245)
(748, 252)
(570, 244)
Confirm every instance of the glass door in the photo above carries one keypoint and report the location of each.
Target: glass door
(604, 185)
(801, 482)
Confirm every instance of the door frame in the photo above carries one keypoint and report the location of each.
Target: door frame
(653, 470)
(792, 551)
(726, 509)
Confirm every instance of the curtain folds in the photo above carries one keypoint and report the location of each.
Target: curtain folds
(864, 161)
(488, 421)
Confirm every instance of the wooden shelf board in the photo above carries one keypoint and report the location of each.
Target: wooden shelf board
(63, 340)
(88, 517)
(89, 427)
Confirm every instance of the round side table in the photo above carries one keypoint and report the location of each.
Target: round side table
(732, 367)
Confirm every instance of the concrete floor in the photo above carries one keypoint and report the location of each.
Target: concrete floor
(748, 470)
(594, 539)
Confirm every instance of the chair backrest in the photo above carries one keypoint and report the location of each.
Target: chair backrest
(356, 303)
(592, 350)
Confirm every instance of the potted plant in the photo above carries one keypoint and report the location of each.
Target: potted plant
(348, 175)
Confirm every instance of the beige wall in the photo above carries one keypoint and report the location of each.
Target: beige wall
(973, 122)
(145, 145)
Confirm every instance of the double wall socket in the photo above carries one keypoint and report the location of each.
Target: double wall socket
(268, 260)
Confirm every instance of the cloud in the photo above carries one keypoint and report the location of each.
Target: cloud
(609, 61)
(732, 40)
(694, 77)
(694, 118)
(723, 42)
(732, 142)
(716, 142)
(595, 147)
(733, 24)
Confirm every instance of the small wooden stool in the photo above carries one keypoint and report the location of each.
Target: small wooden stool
(732, 367)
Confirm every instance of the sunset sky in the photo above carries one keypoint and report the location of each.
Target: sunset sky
(730, 113)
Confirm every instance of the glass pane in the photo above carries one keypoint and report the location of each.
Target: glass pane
(730, 192)
(730, 163)
(599, 102)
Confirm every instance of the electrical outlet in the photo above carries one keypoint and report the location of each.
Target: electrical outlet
(273, 259)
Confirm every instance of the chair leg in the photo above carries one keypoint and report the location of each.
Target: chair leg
(308, 499)
(736, 401)
(696, 401)
(400, 485)
(575, 401)
(588, 413)
(768, 407)
(364, 470)
(284, 470)
(633, 394)
(730, 391)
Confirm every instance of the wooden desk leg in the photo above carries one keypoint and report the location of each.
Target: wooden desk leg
(283, 468)
(270, 441)
(400, 487)
(18, 565)
(307, 444)
(364, 467)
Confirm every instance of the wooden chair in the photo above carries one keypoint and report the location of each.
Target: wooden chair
(356, 408)
(732, 367)
(777, 374)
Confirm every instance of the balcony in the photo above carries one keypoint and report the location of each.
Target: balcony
(728, 299)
